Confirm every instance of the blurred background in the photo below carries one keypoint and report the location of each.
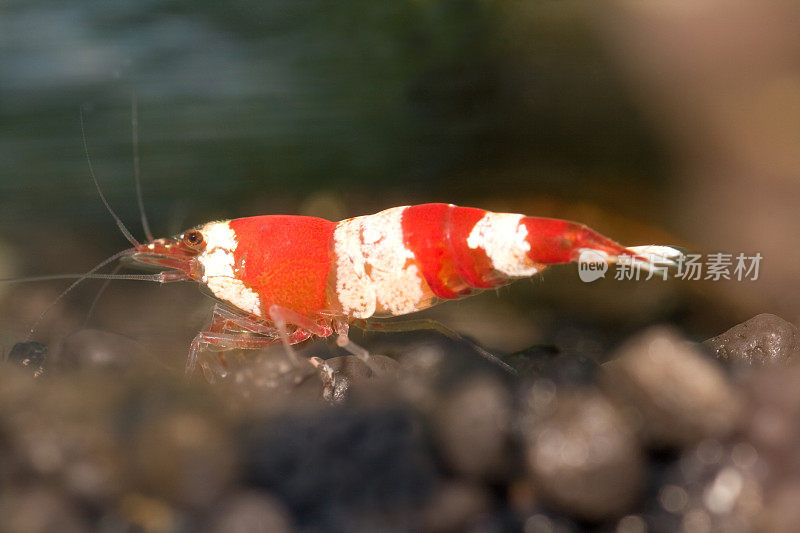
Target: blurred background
(652, 122)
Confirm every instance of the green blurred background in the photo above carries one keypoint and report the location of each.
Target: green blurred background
(574, 109)
(436, 100)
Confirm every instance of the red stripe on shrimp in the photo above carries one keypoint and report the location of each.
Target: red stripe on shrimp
(555, 241)
(285, 259)
(438, 235)
(472, 264)
(425, 233)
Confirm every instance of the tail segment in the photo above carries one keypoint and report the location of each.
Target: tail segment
(555, 241)
(396, 261)
(458, 249)
(437, 235)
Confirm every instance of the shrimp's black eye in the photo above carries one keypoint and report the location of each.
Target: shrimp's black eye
(193, 239)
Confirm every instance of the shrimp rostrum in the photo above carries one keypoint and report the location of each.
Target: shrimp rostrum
(288, 279)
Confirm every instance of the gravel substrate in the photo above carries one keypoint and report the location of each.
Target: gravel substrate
(667, 435)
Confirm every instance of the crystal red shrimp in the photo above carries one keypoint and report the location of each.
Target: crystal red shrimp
(291, 278)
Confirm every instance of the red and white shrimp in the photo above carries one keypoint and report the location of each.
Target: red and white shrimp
(291, 278)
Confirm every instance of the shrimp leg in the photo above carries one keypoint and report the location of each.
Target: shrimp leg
(342, 329)
(231, 331)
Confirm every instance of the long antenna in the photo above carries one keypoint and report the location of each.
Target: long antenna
(159, 278)
(99, 294)
(120, 225)
(81, 277)
(156, 278)
(136, 173)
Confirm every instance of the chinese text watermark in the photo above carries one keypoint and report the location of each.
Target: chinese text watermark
(593, 265)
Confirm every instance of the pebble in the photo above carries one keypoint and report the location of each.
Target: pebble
(782, 512)
(672, 391)
(265, 383)
(184, 457)
(456, 507)
(582, 454)
(343, 469)
(437, 440)
(39, 510)
(30, 355)
(52, 432)
(251, 512)
(547, 361)
(713, 486)
(472, 427)
(763, 340)
(771, 421)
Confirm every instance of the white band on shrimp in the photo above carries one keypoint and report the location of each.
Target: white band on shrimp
(658, 257)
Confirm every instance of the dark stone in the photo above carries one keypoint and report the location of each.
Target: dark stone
(341, 469)
(550, 362)
(763, 340)
(443, 360)
(30, 355)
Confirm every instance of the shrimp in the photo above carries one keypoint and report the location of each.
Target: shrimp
(290, 279)
(281, 278)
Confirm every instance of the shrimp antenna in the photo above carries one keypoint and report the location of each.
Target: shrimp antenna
(159, 277)
(91, 274)
(119, 222)
(99, 294)
(137, 177)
